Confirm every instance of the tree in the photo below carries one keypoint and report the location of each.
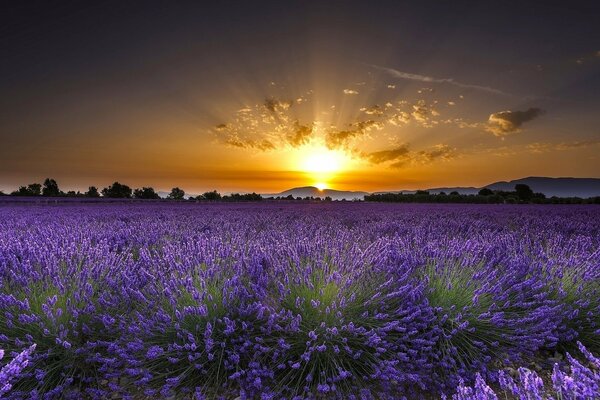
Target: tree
(524, 192)
(145, 193)
(454, 193)
(486, 192)
(50, 188)
(176, 194)
(117, 191)
(214, 195)
(34, 189)
(92, 192)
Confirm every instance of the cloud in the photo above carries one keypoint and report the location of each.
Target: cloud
(394, 154)
(265, 127)
(250, 144)
(275, 105)
(399, 156)
(541, 147)
(504, 123)
(439, 151)
(300, 136)
(340, 139)
(350, 91)
(423, 78)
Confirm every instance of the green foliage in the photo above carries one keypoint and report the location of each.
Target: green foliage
(59, 328)
(582, 296)
(459, 305)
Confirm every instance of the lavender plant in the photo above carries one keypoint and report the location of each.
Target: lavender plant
(572, 381)
(291, 301)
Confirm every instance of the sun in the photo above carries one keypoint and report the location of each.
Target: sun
(318, 165)
(322, 161)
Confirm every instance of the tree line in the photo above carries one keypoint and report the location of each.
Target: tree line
(120, 191)
(521, 195)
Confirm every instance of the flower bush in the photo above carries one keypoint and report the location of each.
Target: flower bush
(294, 301)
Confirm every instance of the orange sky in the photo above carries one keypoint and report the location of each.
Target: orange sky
(263, 99)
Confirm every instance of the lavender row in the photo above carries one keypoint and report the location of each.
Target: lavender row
(291, 301)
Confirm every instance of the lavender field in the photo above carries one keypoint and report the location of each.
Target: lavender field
(299, 301)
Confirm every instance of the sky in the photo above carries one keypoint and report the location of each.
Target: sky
(265, 96)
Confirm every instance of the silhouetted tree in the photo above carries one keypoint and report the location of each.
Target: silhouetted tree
(243, 197)
(214, 195)
(34, 189)
(145, 193)
(524, 192)
(454, 193)
(50, 188)
(176, 194)
(117, 191)
(486, 192)
(92, 192)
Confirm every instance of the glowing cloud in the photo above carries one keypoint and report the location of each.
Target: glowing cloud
(505, 123)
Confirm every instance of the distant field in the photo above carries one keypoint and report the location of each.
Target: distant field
(294, 301)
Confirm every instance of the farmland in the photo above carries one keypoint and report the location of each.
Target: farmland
(293, 301)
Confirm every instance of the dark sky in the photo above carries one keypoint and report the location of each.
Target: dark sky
(91, 92)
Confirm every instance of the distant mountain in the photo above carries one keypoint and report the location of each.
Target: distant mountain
(447, 190)
(311, 191)
(561, 187)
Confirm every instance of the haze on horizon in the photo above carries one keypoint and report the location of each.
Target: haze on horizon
(245, 96)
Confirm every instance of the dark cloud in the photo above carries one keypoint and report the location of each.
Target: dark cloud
(339, 139)
(504, 123)
(250, 144)
(275, 105)
(394, 154)
(401, 155)
(440, 151)
(300, 135)
(276, 123)
(541, 147)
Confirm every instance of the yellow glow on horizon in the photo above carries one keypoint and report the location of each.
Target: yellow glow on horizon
(320, 165)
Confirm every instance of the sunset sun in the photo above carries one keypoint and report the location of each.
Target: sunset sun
(322, 161)
(321, 165)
